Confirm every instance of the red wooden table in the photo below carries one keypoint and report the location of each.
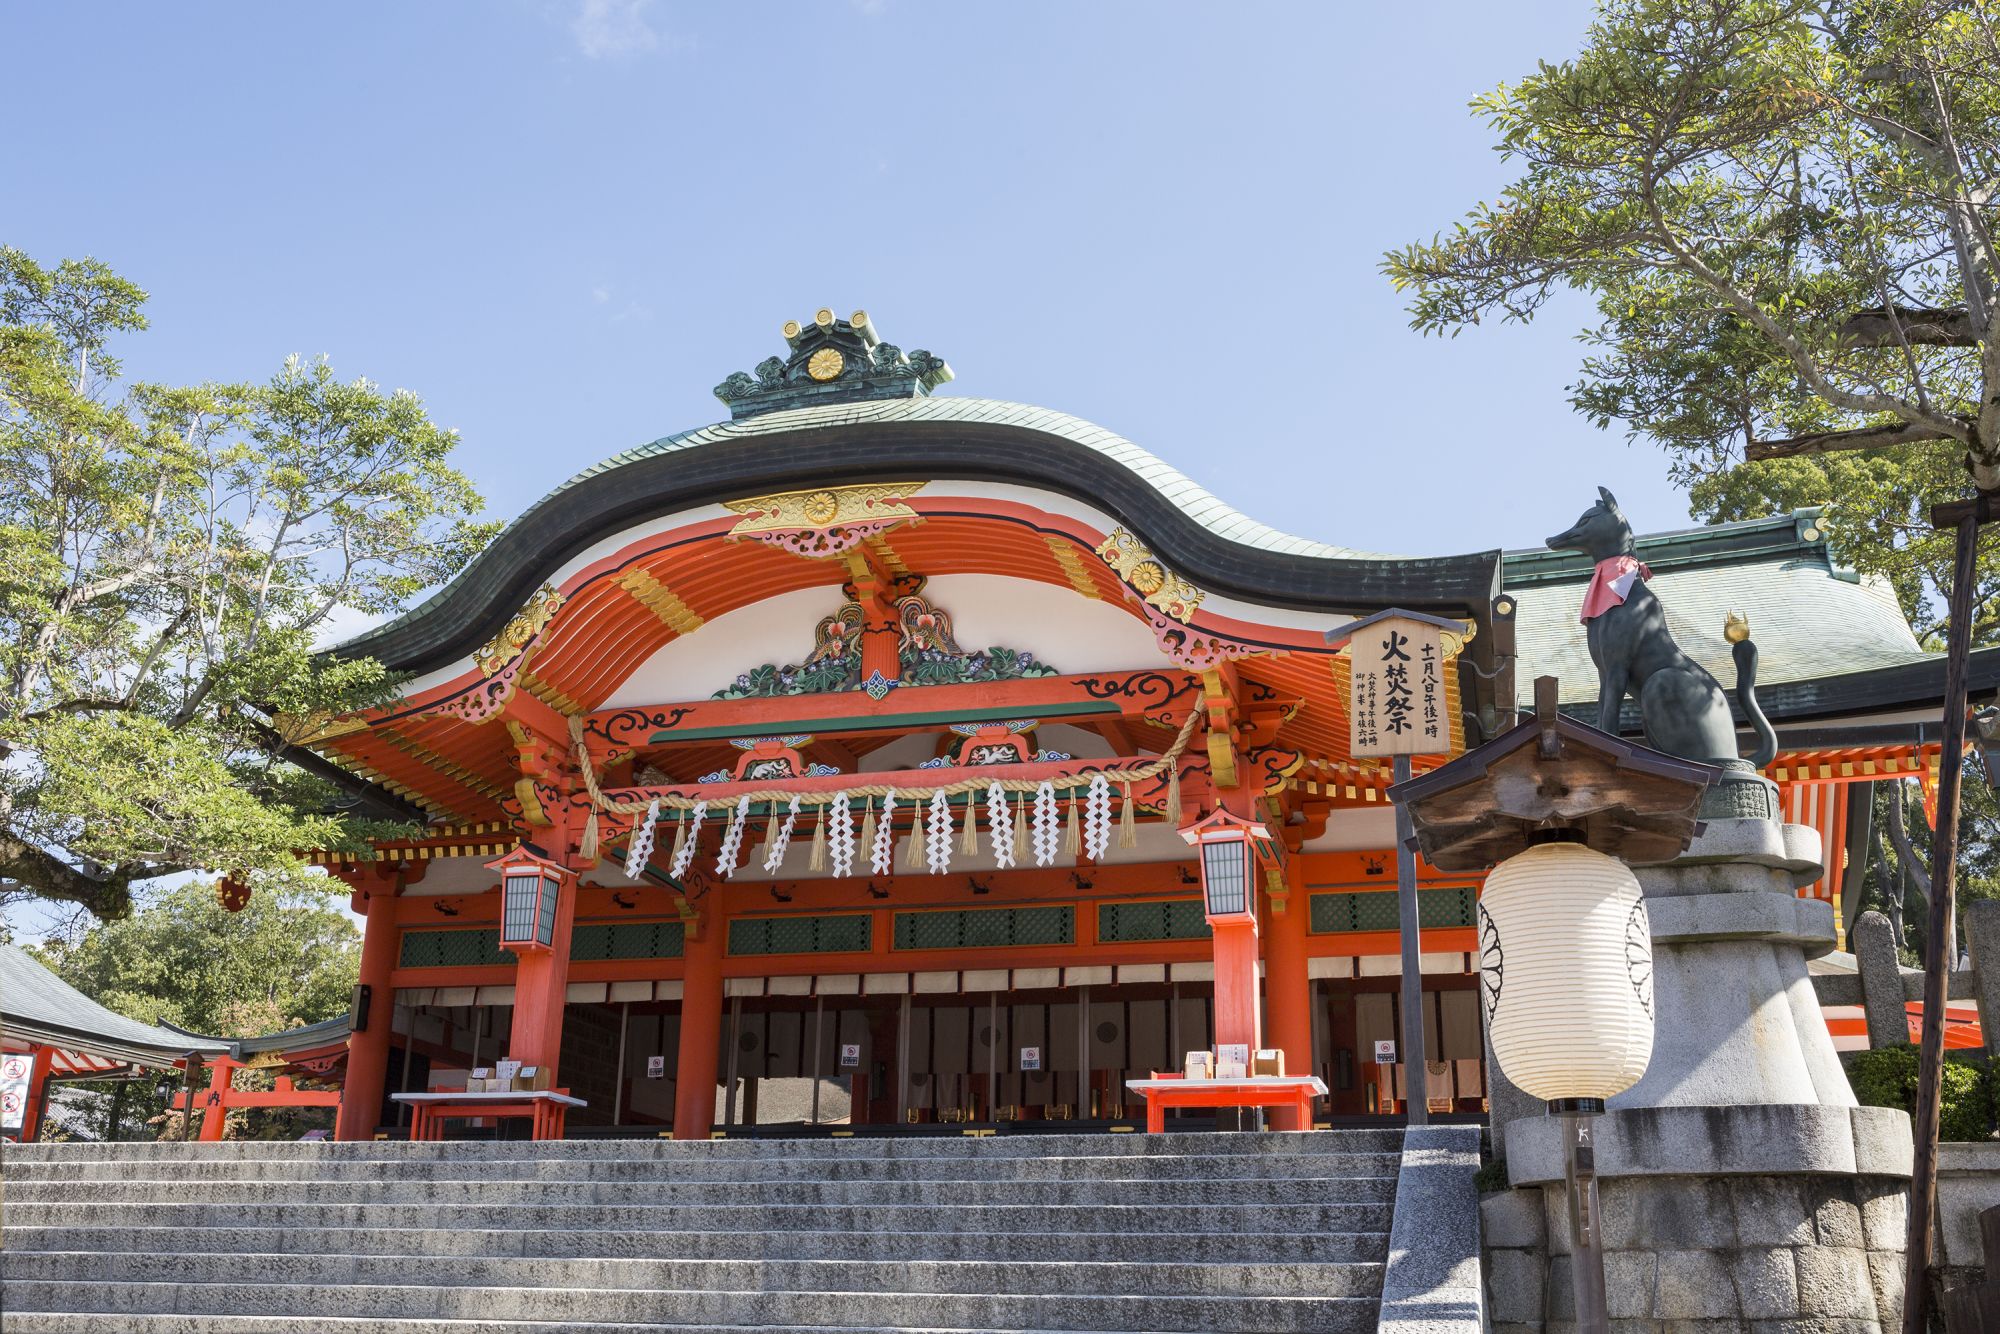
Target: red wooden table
(546, 1108)
(1294, 1091)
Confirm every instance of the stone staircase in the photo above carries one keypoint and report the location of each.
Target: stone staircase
(1102, 1232)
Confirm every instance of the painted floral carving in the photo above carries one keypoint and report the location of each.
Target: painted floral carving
(929, 656)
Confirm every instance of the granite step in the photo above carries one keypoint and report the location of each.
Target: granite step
(782, 1309)
(663, 1189)
(67, 1322)
(1003, 1247)
(942, 1167)
(931, 1277)
(926, 1146)
(1181, 1232)
(683, 1218)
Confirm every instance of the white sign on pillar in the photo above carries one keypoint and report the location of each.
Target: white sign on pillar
(1396, 700)
(16, 1073)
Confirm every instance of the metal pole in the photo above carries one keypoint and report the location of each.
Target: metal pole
(819, 1015)
(409, 1051)
(1416, 1076)
(1083, 1054)
(903, 1059)
(187, 1118)
(1967, 516)
(618, 1085)
(1585, 1222)
(735, 1031)
(993, 1056)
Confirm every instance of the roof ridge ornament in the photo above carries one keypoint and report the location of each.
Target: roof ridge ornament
(832, 361)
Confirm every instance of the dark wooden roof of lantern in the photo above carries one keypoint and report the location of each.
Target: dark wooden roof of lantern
(1554, 773)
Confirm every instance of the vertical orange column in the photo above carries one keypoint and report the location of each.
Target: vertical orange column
(701, 1031)
(214, 1108)
(38, 1094)
(368, 1050)
(1238, 1008)
(541, 990)
(1287, 991)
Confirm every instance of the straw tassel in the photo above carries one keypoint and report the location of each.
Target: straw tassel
(1128, 825)
(968, 842)
(868, 827)
(913, 855)
(587, 849)
(1174, 794)
(1072, 836)
(817, 862)
(680, 837)
(1021, 826)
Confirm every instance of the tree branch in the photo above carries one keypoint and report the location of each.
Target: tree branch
(1834, 442)
(1930, 327)
(50, 877)
(1899, 838)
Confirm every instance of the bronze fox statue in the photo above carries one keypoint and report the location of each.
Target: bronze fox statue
(1681, 706)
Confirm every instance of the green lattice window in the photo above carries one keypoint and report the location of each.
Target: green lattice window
(985, 928)
(1163, 919)
(833, 934)
(626, 940)
(1375, 910)
(452, 949)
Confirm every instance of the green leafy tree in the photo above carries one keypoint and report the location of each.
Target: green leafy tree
(284, 960)
(168, 556)
(1784, 212)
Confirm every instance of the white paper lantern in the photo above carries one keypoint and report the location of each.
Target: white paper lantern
(1566, 972)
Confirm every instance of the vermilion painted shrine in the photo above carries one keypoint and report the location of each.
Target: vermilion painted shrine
(920, 692)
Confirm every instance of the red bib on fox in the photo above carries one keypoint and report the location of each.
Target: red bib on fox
(1612, 584)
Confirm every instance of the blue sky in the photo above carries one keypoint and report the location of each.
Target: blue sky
(563, 222)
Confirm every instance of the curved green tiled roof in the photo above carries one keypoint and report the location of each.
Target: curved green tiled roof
(979, 439)
(1176, 486)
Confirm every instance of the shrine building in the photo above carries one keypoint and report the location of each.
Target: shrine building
(830, 766)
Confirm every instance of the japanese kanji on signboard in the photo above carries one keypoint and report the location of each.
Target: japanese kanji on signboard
(1396, 704)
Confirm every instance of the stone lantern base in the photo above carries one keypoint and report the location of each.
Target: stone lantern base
(1742, 1188)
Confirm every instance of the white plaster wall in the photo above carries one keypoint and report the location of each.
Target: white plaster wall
(1070, 632)
(1357, 829)
(776, 630)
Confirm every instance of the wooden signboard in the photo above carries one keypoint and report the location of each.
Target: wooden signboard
(1396, 701)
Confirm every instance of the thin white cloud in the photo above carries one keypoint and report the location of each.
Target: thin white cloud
(608, 29)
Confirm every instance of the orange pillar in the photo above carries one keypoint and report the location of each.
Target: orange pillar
(701, 1031)
(368, 1050)
(1238, 1008)
(38, 1094)
(1288, 993)
(214, 1113)
(541, 990)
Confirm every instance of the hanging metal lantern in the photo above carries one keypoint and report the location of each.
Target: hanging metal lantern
(1566, 973)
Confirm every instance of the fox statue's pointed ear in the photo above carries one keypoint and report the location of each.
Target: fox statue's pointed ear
(1610, 501)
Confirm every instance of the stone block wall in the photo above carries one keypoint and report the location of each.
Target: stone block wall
(1771, 1254)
